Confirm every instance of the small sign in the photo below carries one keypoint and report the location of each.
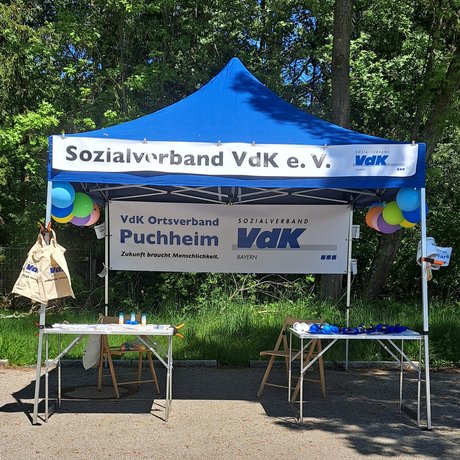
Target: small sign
(100, 231)
(437, 257)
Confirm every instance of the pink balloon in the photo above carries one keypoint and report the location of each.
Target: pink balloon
(386, 228)
(94, 216)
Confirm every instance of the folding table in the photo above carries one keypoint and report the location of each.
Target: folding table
(387, 341)
(145, 335)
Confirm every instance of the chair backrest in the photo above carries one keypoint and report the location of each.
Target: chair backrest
(288, 322)
(108, 319)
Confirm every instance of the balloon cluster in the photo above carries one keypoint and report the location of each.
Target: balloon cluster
(70, 206)
(404, 212)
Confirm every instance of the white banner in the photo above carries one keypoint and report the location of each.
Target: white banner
(235, 159)
(228, 239)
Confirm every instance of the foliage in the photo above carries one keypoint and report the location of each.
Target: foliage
(235, 332)
(192, 292)
(73, 65)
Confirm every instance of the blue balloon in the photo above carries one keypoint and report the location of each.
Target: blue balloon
(408, 199)
(62, 194)
(61, 212)
(414, 216)
(376, 203)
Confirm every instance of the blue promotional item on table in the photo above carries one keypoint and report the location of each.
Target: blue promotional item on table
(132, 319)
(326, 328)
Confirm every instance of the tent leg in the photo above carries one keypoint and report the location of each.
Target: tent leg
(350, 246)
(106, 260)
(425, 309)
(427, 383)
(42, 315)
(346, 341)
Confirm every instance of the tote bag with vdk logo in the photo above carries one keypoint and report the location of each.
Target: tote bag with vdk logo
(45, 275)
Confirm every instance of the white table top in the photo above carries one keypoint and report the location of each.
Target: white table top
(110, 329)
(406, 335)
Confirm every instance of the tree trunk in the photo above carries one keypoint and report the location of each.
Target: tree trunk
(331, 285)
(381, 265)
(341, 63)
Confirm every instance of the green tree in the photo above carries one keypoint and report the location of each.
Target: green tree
(415, 76)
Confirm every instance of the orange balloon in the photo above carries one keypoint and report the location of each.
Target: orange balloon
(372, 215)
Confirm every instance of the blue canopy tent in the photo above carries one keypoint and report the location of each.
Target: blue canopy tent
(236, 142)
(234, 107)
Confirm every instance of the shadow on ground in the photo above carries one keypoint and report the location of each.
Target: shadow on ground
(360, 406)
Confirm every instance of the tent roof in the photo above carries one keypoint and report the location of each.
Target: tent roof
(235, 107)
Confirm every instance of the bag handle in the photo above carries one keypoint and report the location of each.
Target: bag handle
(50, 232)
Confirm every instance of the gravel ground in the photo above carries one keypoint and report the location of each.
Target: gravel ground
(216, 414)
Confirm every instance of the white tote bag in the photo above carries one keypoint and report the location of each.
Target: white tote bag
(28, 280)
(44, 275)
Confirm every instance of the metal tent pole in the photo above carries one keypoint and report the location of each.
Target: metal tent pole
(350, 245)
(425, 307)
(106, 260)
(42, 320)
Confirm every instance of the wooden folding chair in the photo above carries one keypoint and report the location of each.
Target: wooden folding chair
(281, 350)
(107, 352)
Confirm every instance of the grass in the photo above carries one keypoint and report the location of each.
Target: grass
(234, 333)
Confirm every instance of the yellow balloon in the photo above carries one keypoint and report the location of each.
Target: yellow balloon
(64, 220)
(406, 224)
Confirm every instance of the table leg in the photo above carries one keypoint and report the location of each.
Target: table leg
(301, 381)
(290, 367)
(401, 375)
(419, 380)
(46, 378)
(39, 364)
(168, 380)
(59, 381)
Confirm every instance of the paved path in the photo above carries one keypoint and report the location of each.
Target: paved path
(216, 415)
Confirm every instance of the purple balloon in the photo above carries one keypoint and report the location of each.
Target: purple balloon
(61, 212)
(414, 216)
(80, 221)
(386, 228)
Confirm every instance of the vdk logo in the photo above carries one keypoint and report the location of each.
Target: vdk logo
(371, 160)
(31, 268)
(277, 238)
(56, 269)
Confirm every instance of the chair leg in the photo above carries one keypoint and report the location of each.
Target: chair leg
(139, 371)
(152, 371)
(307, 359)
(112, 370)
(321, 370)
(265, 377)
(101, 363)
